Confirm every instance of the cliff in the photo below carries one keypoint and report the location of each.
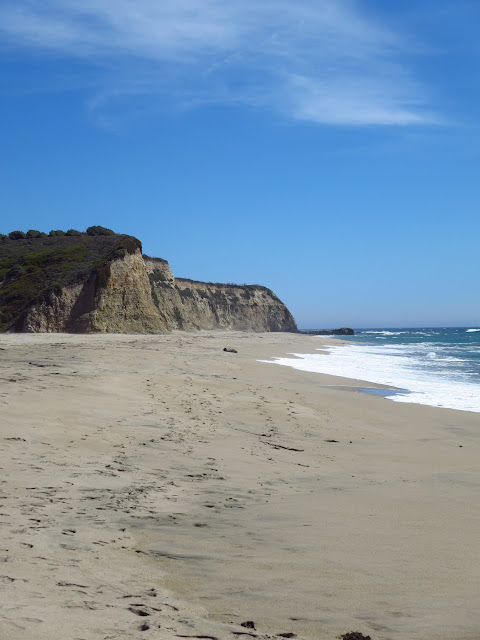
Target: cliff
(104, 284)
(85, 284)
(188, 304)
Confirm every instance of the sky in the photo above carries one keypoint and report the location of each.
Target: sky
(327, 149)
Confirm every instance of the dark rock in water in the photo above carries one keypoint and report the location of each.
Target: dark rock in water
(344, 331)
(230, 350)
(355, 635)
(249, 624)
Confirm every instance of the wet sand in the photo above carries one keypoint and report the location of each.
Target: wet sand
(159, 487)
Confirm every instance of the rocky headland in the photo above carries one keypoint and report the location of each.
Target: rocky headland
(100, 281)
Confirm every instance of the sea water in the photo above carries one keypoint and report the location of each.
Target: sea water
(438, 367)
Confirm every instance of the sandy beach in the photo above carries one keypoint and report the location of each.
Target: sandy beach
(159, 487)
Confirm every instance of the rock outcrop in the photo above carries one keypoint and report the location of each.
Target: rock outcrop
(125, 303)
(188, 304)
(344, 331)
(113, 299)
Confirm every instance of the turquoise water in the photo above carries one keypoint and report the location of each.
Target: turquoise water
(434, 366)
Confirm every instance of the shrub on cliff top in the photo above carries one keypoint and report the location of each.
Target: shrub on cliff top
(73, 232)
(16, 235)
(99, 231)
(33, 233)
(56, 233)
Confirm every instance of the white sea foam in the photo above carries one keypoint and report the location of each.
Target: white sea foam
(472, 330)
(386, 333)
(392, 365)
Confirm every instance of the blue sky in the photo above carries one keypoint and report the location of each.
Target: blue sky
(328, 149)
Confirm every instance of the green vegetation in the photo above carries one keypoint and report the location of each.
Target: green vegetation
(99, 231)
(33, 265)
(227, 285)
(187, 293)
(58, 233)
(178, 317)
(33, 233)
(154, 259)
(155, 299)
(219, 298)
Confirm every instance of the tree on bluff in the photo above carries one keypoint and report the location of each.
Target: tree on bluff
(33, 233)
(99, 231)
(16, 235)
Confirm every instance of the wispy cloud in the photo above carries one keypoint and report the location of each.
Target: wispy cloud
(314, 60)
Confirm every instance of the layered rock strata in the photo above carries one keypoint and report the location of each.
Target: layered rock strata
(113, 299)
(188, 304)
(105, 284)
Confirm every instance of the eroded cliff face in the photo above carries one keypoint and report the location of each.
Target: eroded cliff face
(124, 304)
(107, 285)
(116, 298)
(55, 313)
(188, 304)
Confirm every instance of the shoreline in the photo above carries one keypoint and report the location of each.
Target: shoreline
(234, 490)
(374, 368)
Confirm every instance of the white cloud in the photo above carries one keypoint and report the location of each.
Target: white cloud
(314, 60)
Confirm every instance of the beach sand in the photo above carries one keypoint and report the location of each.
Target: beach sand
(159, 487)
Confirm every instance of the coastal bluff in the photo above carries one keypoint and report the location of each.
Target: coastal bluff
(100, 282)
(189, 304)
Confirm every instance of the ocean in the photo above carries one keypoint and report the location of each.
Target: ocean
(439, 367)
